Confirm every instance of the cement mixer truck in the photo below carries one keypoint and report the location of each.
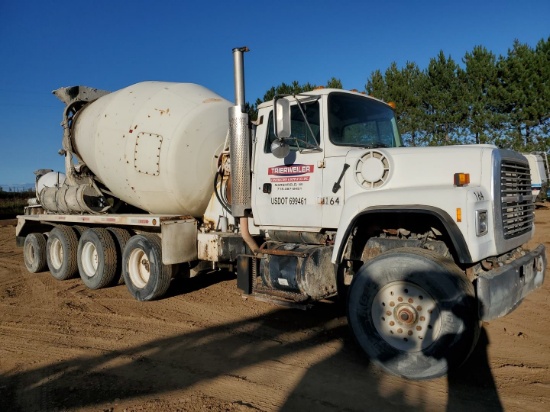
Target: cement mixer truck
(316, 199)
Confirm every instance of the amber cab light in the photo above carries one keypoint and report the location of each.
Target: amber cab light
(462, 179)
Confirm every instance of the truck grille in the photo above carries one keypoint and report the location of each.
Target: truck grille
(517, 206)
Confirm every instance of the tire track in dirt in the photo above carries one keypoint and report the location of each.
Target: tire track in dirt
(206, 347)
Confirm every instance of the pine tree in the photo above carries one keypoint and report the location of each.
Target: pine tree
(480, 78)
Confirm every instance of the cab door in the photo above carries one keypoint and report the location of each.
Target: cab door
(287, 192)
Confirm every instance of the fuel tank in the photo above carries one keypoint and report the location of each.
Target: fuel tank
(155, 144)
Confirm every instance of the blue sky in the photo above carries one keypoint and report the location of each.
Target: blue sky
(47, 44)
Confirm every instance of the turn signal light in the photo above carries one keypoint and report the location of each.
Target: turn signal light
(462, 179)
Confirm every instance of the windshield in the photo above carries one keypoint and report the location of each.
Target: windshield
(358, 121)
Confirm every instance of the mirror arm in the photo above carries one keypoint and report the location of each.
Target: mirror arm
(307, 123)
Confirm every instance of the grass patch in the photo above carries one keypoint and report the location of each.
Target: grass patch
(13, 203)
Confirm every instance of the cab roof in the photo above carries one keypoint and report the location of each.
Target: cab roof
(321, 92)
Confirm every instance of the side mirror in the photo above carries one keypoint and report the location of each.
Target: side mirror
(282, 118)
(280, 149)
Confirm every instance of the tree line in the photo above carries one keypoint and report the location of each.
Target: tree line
(503, 100)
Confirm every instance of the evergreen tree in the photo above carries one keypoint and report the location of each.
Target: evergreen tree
(480, 78)
(376, 85)
(444, 102)
(409, 107)
(542, 102)
(403, 87)
(504, 100)
(519, 80)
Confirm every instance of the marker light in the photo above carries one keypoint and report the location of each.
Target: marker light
(462, 179)
(392, 105)
(458, 214)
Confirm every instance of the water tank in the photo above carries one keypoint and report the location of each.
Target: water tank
(155, 144)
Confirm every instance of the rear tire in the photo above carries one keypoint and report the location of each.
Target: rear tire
(61, 247)
(144, 274)
(414, 313)
(97, 259)
(121, 236)
(34, 252)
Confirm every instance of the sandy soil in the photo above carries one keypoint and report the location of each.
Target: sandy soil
(207, 348)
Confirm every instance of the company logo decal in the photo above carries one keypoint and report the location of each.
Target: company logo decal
(291, 173)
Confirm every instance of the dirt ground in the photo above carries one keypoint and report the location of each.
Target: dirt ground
(207, 348)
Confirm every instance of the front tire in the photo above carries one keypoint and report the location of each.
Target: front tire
(146, 277)
(414, 313)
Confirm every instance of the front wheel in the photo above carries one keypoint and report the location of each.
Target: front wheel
(145, 275)
(414, 313)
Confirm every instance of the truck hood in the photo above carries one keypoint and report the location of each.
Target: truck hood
(410, 167)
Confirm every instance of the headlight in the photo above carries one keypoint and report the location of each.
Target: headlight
(481, 222)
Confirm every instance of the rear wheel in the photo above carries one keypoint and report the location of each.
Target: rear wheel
(144, 274)
(121, 236)
(97, 258)
(34, 252)
(61, 253)
(414, 313)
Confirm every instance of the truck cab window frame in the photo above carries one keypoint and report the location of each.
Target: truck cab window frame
(300, 129)
(357, 121)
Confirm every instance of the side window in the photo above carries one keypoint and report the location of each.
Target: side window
(300, 129)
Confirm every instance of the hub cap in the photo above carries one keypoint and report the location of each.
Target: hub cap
(90, 259)
(406, 316)
(56, 253)
(139, 268)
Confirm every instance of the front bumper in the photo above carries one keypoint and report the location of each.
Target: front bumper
(501, 290)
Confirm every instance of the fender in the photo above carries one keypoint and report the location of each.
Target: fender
(455, 234)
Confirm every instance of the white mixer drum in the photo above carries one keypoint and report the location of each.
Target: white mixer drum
(50, 179)
(155, 144)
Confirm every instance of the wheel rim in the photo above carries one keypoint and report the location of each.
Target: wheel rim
(56, 253)
(89, 259)
(406, 316)
(30, 253)
(139, 268)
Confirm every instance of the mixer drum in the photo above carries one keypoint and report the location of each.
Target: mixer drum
(155, 144)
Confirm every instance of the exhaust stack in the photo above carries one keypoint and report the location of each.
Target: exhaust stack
(239, 142)
(239, 147)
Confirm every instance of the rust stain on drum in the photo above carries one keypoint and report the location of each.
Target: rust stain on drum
(163, 111)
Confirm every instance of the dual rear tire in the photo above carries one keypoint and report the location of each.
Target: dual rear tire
(145, 276)
(97, 258)
(100, 256)
(34, 252)
(61, 252)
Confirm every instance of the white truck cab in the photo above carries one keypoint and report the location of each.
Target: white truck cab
(399, 229)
